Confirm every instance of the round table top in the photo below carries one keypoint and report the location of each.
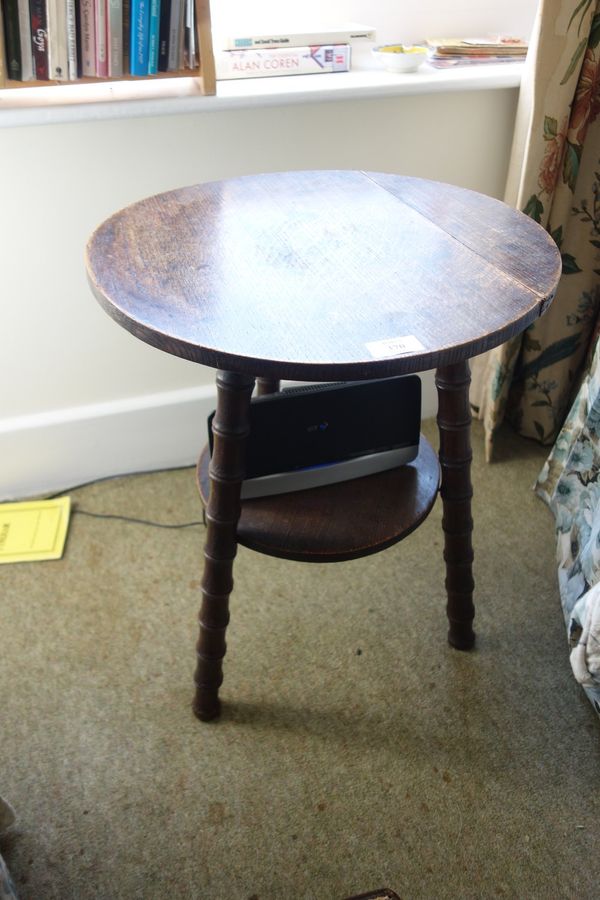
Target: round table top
(323, 275)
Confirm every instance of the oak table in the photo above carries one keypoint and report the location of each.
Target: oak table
(325, 276)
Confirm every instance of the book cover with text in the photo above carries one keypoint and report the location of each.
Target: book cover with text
(101, 22)
(153, 30)
(140, 33)
(57, 40)
(115, 38)
(282, 61)
(311, 37)
(87, 38)
(39, 39)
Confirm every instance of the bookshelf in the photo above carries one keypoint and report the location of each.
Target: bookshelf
(201, 79)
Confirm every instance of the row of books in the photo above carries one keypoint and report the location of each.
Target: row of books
(64, 40)
(264, 54)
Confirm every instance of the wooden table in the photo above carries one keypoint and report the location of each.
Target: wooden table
(325, 276)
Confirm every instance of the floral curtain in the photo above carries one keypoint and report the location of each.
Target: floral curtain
(554, 177)
(570, 484)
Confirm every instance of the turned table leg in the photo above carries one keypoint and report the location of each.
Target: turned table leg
(454, 423)
(266, 386)
(230, 430)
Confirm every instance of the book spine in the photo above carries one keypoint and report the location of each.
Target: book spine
(77, 37)
(39, 39)
(163, 35)
(190, 34)
(283, 61)
(25, 40)
(153, 27)
(174, 60)
(298, 39)
(2, 53)
(126, 34)
(87, 39)
(181, 36)
(115, 42)
(12, 39)
(71, 40)
(140, 24)
(101, 38)
(57, 40)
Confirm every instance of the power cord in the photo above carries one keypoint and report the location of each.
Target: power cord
(84, 512)
(134, 521)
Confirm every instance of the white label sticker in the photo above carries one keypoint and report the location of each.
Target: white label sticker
(394, 346)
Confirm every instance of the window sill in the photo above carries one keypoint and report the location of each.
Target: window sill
(134, 99)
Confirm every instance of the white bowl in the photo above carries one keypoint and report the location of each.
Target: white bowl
(400, 57)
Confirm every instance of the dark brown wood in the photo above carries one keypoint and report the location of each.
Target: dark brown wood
(266, 386)
(454, 423)
(293, 275)
(298, 275)
(339, 521)
(230, 430)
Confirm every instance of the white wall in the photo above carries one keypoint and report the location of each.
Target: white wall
(395, 20)
(78, 393)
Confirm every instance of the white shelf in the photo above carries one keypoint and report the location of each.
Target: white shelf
(133, 99)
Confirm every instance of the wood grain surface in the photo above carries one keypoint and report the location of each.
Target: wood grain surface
(292, 275)
(339, 521)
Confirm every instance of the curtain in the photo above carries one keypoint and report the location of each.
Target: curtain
(570, 484)
(554, 177)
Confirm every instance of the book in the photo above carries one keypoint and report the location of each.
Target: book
(163, 35)
(448, 62)
(32, 530)
(140, 27)
(71, 40)
(25, 40)
(153, 27)
(492, 46)
(342, 34)
(77, 37)
(12, 39)
(39, 39)
(2, 56)
(126, 34)
(190, 35)
(175, 60)
(101, 38)
(115, 38)
(57, 40)
(87, 38)
(282, 61)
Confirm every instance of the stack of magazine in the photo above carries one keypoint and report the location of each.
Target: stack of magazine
(295, 52)
(448, 52)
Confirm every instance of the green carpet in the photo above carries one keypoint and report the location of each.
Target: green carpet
(355, 750)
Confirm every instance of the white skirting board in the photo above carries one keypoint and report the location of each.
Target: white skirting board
(60, 449)
(53, 451)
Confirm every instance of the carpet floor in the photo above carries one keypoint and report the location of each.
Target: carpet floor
(356, 749)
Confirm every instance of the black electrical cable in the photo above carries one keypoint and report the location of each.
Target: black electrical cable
(93, 515)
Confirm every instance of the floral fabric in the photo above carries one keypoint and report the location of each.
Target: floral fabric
(554, 177)
(570, 484)
(7, 888)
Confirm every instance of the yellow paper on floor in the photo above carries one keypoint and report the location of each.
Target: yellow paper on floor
(33, 530)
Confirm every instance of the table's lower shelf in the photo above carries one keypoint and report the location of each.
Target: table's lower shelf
(339, 521)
